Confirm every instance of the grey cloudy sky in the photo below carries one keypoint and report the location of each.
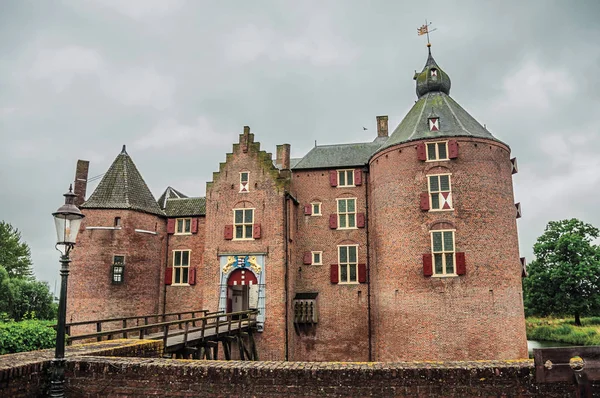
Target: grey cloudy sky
(176, 81)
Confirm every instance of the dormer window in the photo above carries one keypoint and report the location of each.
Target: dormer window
(434, 123)
(244, 177)
(434, 73)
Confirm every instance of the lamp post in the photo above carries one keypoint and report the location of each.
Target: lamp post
(67, 220)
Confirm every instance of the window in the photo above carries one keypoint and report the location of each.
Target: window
(316, 208)
(243, 222)
(345, 178)
(348, 263)
(183, 226)
(181, 266)
(118, 269)
(437, 151)
(316, 258)
(244, 177)
(439, 192)
(442, 247)
(346, 213)
(117, 222)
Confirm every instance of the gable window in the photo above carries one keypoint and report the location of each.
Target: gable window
(345, 178)
(183, 226)
(181, 266)
(442, 248)
(437, 151)
(118, 269)
(348, 263)
(244, 178)
(316, 208)
(317, 258)
(117, 222)
(440, 195)
(346, 213)
(243, 220)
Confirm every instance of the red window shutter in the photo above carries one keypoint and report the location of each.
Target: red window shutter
(461, 265)
(333, 221)
(513, 165)
(425, 201)
(308, 209)
(360, 220)
(171, 226)
(452, 149)
(229, 232)
(256, 231)
(192, 276)
(523, 268)
(334, 273)
(362, 273)
(357, 177)
(168, 275)
(307, 258)
(194, 225)
(421, 153)
(518, 208)
(333, 178)
(427, 264)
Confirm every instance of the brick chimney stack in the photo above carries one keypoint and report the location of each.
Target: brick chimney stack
(81, 177)
(283, 156)
(382, 126)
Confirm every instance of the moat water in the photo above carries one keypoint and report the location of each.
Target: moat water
(531, 344)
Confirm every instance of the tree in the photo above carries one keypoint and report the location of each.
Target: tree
(564, 279)
(25, 298)
(15, 256)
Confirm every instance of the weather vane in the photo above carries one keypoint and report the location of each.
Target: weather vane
(424, 30)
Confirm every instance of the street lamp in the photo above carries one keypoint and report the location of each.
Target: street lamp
(67, 220)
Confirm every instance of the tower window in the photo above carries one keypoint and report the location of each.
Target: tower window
(434, 123)
(437, 151)
(440, 194)
(348, 263)
(118, 269)
(434, 73)
(117, 222)
(244, 184)
(442, 248)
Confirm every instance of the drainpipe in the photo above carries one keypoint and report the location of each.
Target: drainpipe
(370, 331)
(286, 263)
(164, 310)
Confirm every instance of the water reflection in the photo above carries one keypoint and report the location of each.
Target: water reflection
(531, 344)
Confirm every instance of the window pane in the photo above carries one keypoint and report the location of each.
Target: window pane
(188, 224)
(342, 177)
(177, 261)
(239, 231)
(342, 220)
(450, 263)
(352, 254)
(248, 216)
(343, 254)
(448, 241)
(445, 183)
(442, 150)
(185, 275)
(185, 258)
(435, 200)
(177, 275)
(239, 216)
(316, 258)
(439, 268)
(351, 205)
(437, 241)
(351, 220)
(118, 259)
(341, 206)
(248, 231)
(434, 185)
(350, 177)
(352, 272)
(316, 208)
(244, 177)
(343, 273)
(179, 225)
(431, 151)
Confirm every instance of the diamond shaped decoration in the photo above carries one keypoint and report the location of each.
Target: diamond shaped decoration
(434, 124)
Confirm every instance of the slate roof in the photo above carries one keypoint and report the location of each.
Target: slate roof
(169, 194)
(123, 187)
(186, 207)
(341, 155)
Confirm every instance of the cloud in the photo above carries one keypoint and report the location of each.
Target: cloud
(142, 86)
(141, 9)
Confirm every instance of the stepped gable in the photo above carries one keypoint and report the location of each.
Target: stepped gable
(170, 193)
(185, 207)
(433, 89)
(123, 187)
(341, 155)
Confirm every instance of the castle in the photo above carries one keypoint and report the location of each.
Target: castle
(401, 248)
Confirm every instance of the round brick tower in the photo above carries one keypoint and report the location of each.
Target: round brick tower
(445, 274)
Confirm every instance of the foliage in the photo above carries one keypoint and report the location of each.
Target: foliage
(26, 336)
(564, 331)
(15, 256)
(25, 298)
(565, 276)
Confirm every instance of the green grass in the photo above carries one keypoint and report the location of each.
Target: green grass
(563, 330)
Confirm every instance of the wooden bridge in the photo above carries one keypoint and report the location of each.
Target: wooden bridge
(193, 334)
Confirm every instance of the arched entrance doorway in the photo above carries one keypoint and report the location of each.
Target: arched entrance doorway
(242, 291)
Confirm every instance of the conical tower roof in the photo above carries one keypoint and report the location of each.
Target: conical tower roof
(123, 187)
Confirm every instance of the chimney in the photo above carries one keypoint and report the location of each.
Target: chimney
(283, 156)
(245, 139)
(81, 177)
(382, 126)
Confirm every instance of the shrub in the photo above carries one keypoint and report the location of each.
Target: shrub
(26, 336)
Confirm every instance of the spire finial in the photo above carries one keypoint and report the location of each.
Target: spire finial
(124, 150)
(424, 30)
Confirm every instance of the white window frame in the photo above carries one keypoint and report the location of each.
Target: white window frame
(243, 224)
(312, 208)
(443, 253)
(439, 192)
(437, 155)
(312, 258)
(345, 171)
(247, 182)
(347, 264)
(181, 267)
(347, 213)
(183, 222)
